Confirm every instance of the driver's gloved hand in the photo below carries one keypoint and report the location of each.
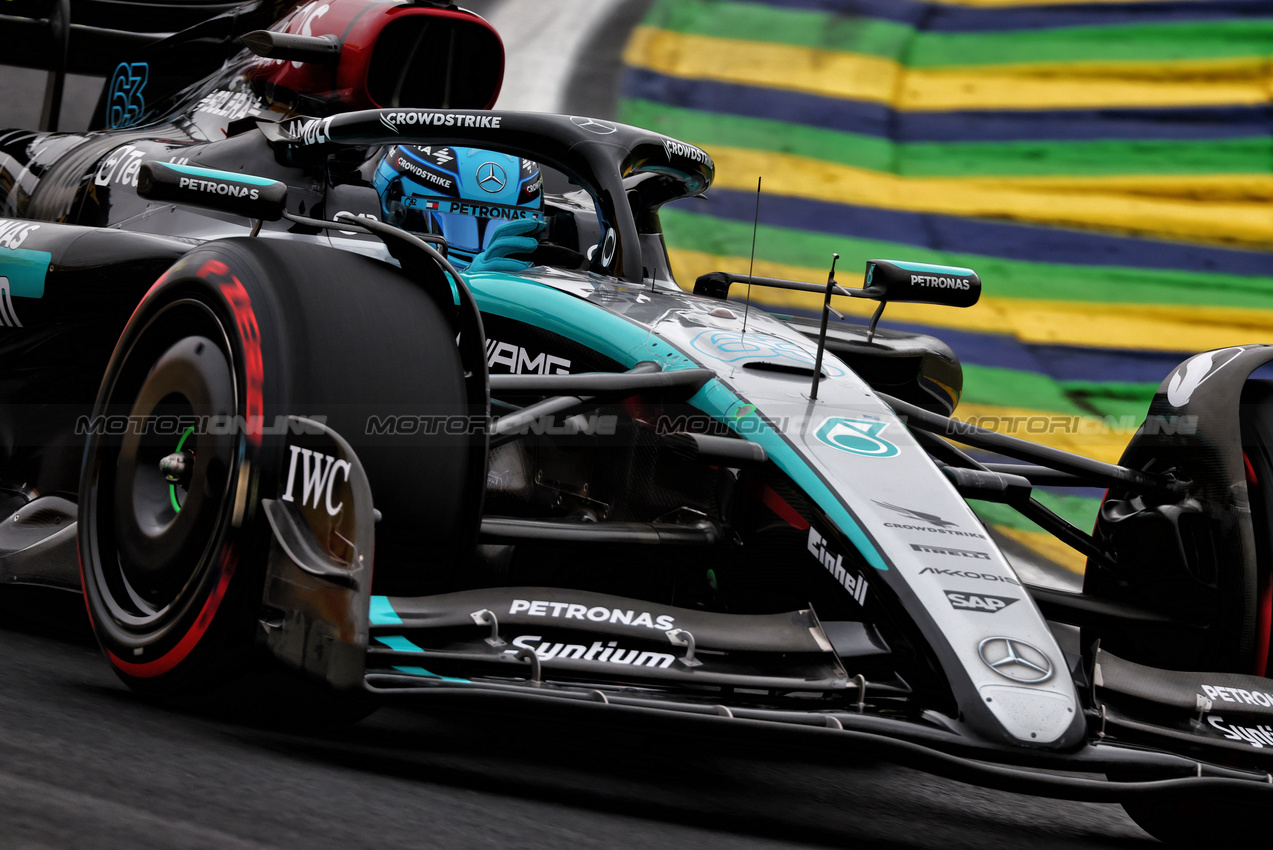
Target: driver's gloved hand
(511, 248)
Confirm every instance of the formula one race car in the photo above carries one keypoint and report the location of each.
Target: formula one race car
(245, 380)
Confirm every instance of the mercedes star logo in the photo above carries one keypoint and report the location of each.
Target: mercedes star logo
(592, 125)
(491, 177)
(1015, 660)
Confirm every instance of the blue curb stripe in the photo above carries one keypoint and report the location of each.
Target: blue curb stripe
(988, 125)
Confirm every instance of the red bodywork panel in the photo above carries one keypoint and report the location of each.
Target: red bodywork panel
(392, 55)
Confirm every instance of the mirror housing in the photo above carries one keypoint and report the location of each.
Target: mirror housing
(238, 194)
(921, 283)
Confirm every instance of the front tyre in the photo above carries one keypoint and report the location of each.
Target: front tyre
(1240, 608)
(1216, 820)
(185, 442)
(1198, 822)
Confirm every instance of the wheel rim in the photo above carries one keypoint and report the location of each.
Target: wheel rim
(154, 542)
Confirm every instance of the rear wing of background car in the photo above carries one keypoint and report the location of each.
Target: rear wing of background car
(101, 38)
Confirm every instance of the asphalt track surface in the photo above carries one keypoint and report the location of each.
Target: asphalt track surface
(84, 763)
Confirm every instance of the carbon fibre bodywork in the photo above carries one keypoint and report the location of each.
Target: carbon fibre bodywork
(677, 504)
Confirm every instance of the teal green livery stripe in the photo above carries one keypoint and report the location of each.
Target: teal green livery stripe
(561, 313)
(398, 643)
(628, 343)
(420, 671)
(382, 613)
(25, 271)
(929, 267)
(716, 400)
(195, 171)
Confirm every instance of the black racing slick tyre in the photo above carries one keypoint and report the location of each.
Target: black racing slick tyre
(1200, 822)
(244, 333)
(1211, 820)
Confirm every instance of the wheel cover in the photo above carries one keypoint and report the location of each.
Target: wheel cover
(154, 546)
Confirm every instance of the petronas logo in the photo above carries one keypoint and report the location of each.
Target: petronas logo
(856, 436)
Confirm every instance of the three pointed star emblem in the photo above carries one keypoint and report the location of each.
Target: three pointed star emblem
(491, 177)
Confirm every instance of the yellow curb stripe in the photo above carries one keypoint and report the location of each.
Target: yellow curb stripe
(1232, 209)
(854, 76)
(1048, 546)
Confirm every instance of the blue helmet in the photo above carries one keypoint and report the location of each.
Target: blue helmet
(462, 194)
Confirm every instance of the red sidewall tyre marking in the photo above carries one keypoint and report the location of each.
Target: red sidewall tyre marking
(174, 656)
(236, 295)
(1264, 627)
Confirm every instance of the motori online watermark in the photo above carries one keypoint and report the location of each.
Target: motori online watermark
(604, 425)
(178, 425)
(389, 425)
(1042, 424)
(1046, 423)
(598, 425)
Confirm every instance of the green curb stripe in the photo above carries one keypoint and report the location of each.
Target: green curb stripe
(1148, 42)
(1014, 388)
(1112, 398)
(1004, 387)
(1038, 158)
(1079, 511)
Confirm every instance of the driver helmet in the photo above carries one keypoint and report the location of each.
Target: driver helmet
(462, 194)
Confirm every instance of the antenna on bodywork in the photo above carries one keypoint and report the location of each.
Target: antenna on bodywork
(755, 225)
(822, 331)
(886, 280)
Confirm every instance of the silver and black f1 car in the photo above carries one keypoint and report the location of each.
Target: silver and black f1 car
(248, 415)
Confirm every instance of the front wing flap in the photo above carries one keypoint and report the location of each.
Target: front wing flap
(577, 635)
(1222, 716)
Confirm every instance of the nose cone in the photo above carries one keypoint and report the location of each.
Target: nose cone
(1030, 715)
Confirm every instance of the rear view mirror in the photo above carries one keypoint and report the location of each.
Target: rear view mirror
(239, 194)
(921, 283)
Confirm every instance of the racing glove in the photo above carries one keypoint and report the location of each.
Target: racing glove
(509, 251)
